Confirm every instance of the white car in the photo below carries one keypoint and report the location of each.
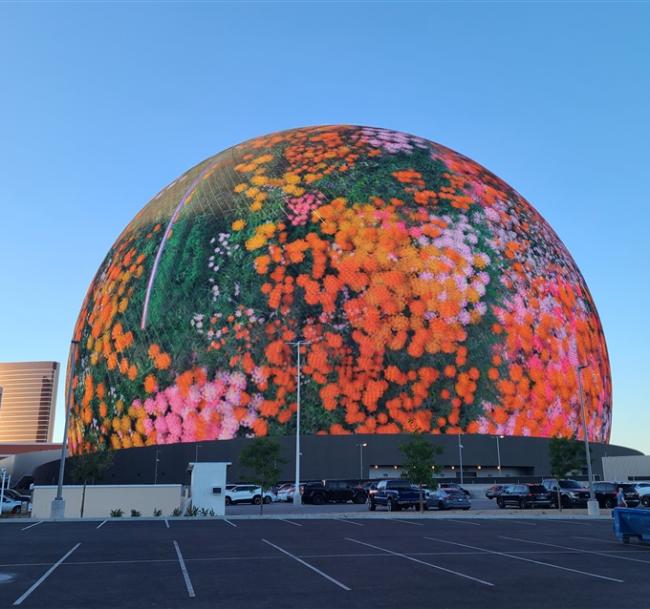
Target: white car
(246, 493)
(11, 506)
(643, 489)
(285, 493)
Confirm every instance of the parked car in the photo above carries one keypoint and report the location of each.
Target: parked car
(643, 490)
(285, 492)
(606, 494)
(453, 486)
(247, 493)
(572, 493)
(524, 496)
(494, 491)
(395, 495)
(448, 499)
(333, 491)
(11, 506)
(370, 488)
(11, 493)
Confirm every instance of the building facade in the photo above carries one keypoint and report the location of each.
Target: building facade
(28, 401)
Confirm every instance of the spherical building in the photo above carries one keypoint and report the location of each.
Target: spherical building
(429, 295)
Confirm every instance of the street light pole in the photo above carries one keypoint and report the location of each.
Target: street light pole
(155, 471)
(57, 507)
(361, 447)
(297, 497)
(460, 458)
(498, 453)
(592, 504)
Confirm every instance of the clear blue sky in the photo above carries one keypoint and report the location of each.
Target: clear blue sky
(102, 104)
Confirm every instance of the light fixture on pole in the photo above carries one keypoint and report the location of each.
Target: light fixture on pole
(460, 458)
(592, 504)
(361, 447)
(57, 507)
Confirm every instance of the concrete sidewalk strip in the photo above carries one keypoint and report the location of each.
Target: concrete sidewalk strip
(186, 575)
(306, 564)
(45, 575)
(595, 552)
(421, 562)
(530, 560)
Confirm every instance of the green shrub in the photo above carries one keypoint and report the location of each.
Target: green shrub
(135, 514)
(157, 512)
(117, 513)
(177, 512)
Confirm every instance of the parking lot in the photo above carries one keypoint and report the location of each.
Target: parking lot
(380, 562)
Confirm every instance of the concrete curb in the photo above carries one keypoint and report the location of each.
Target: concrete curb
(453, 515)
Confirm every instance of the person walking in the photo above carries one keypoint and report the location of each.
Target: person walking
(620, 498)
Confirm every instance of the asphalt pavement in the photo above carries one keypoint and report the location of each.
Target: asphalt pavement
(381, 562)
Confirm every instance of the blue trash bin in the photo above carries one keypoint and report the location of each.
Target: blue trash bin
(632, 522)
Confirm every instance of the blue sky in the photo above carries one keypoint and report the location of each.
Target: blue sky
(102, 104)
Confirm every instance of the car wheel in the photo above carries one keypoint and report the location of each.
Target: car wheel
(372, 506)
(267, 499)
(500, 503)
(392, 506)
(609, 503)
(318, 499)
(441, 505)
(358, 498)
(645, 501)
(565, 503)
(16, 510)
(257, 500)
(522, 504)
(228, 501)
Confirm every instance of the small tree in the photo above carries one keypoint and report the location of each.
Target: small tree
(420, 462)
(565, 456)
(262, 457)
(87, 468)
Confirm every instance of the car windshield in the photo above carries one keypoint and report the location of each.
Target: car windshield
(569, 484)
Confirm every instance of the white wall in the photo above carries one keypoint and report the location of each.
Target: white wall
(101, 499)
(206, 478)
(619, 469)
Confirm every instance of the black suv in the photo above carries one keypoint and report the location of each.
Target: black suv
(333, 491)
(572, 493)
(524, 496)
(606, 494)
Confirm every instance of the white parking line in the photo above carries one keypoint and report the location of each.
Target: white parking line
(45, 575)
(552, 545)
(232, 524)
(417, 524)
(166, 523)
(186, 575)
(306, 564)
(101, 524)
(421, 562)
(536, 562)
(347, 521)
(515, 521)
(609, 541)
(295, 524)
(476, 524)
(33, 525)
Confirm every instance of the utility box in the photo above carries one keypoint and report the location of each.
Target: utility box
(208, 486)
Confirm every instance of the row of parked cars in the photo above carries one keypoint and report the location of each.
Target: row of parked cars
(554, 493)
(14, 502)
(393, 494)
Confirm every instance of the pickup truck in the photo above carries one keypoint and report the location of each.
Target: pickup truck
(395, 495)
(333, 491)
